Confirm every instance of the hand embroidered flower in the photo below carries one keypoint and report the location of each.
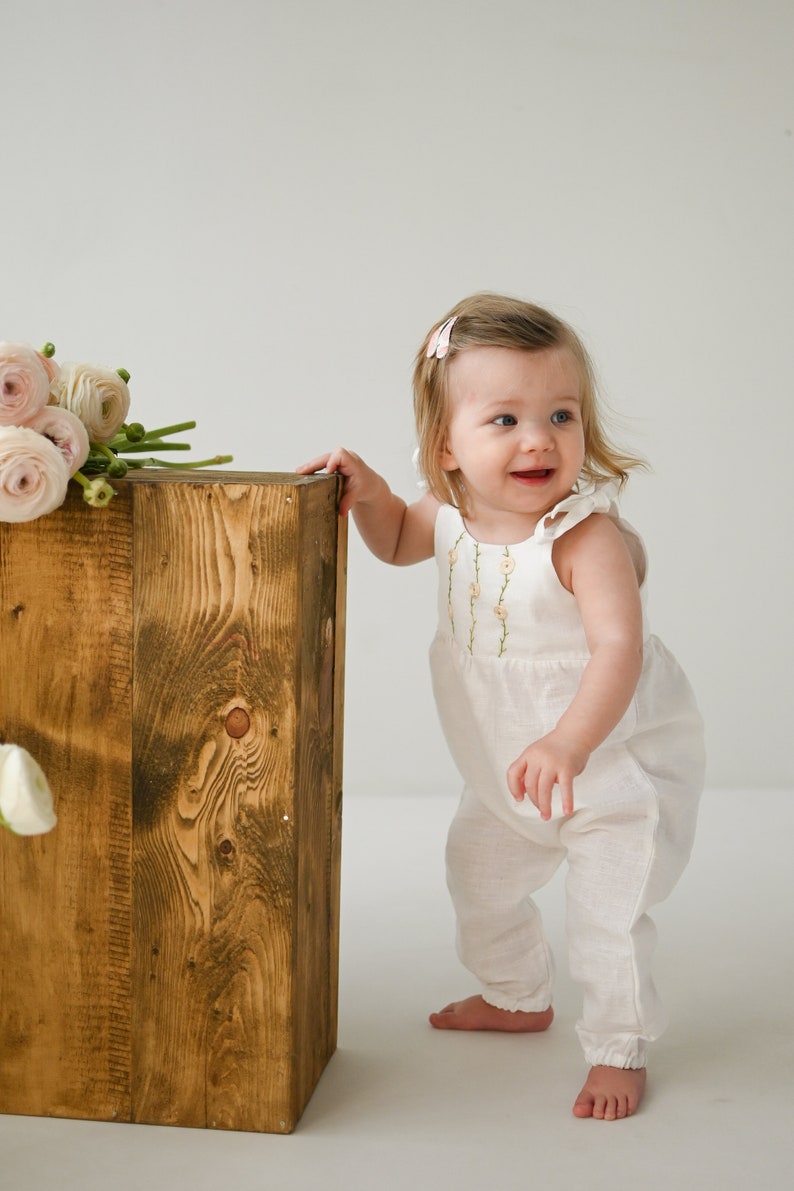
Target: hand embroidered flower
(452, 556)
(500, 612)
(474, 590)
(507, 565)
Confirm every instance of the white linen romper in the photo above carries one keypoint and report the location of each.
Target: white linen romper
(506, 662)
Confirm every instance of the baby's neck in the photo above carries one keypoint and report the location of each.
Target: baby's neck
(506, 529)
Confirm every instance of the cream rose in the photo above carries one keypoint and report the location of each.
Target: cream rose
(24, 384)
(99, 398)
(25, 798)
(33, 474)
(66, 431)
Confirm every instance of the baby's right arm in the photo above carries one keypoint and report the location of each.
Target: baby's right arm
(394, 532)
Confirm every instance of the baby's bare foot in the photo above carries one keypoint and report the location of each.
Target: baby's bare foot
(610, 1093)
(476, 1014)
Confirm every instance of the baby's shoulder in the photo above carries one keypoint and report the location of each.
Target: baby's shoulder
(602, 539)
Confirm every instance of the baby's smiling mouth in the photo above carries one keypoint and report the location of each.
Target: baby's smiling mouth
(535, 475)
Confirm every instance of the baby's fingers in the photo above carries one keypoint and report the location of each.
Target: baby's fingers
(515, 780)
(524, 781)
(545, 789)
(318, 464)
(565, 782)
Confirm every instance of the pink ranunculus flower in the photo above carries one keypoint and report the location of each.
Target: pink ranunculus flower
(24, 384)
(33, 474)
(25, 797)
(53, 369)
(99, 397)
(66, 431)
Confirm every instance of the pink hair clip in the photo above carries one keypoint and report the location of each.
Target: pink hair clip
(439, 340)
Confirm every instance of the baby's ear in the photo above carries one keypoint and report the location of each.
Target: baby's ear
(446, 458)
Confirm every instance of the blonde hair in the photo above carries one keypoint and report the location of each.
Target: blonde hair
(491, 320)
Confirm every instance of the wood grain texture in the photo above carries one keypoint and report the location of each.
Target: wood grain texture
(65, 898)
(209, 881)
(317, 802)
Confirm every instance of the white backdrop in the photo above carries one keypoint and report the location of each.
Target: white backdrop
(258, 207)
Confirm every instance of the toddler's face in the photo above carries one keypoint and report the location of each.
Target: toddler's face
(515, 434)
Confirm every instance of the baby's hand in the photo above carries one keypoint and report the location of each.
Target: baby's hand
(552, 760)
(360, 480)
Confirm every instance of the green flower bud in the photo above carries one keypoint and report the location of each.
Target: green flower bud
(118, 469)
(135, 432)
(124, 374)
(48, 351)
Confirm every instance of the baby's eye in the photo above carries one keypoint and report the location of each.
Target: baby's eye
(505, 420)
(560, 417)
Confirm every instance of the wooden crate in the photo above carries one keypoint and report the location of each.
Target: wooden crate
(169, 953)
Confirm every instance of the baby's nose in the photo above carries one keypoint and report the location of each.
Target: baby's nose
(537, 436)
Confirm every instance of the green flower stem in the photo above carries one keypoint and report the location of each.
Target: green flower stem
(99, 448)
(189, 466)
(139, 439)
(96, 465)
(82, 480)
(148, 444)
(177, 428)
(151, 462)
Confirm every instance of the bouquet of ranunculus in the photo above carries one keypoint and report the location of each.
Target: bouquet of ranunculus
(69, 422)
(25, 798)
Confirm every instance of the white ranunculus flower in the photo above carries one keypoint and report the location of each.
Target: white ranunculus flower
(25, 798)
(99, 397)
(34, 475)
(24, 383)
(65, 430)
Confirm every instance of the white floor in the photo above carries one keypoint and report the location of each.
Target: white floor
(404, 1107)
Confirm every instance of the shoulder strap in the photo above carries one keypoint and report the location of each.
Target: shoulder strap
(601, 498)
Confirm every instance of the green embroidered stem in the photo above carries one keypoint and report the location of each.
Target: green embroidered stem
(475, 592)
(506, 567)
(452, 555)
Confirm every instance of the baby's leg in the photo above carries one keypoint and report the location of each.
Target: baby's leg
(621, 863)
(491, 871)
(610, 936)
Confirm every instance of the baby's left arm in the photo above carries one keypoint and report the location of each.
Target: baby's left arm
(593, 562)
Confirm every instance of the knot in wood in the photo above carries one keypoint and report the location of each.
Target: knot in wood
(225, 846)
(237, 723)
